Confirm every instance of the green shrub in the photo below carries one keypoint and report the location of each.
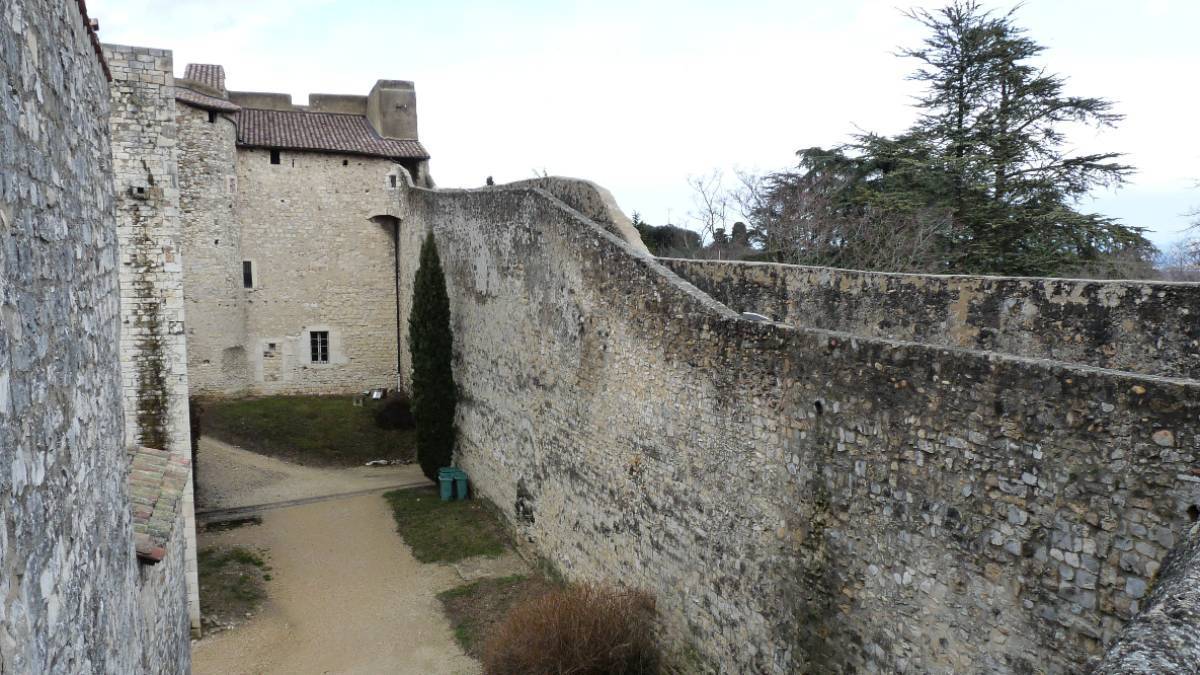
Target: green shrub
(431, 344)
(395, 413)
(583, 630)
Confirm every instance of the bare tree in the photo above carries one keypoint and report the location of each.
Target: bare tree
(710, 205)
(1181, 262)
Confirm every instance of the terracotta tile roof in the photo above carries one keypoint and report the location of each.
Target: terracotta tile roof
(205, 101)
(207, 74)
(328, 132)
(157, 480)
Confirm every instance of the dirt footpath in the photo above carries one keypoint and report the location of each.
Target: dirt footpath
(231, 477)
(346, 595)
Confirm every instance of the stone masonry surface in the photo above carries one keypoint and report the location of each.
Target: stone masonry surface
(212, 258)
(153, 340)
(1138, 326)
(70, 595)
(320, 264)
(799, 500)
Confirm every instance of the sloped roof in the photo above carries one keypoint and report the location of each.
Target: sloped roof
(205, 101)
(208, 74)
(157, 480)
(323, 132)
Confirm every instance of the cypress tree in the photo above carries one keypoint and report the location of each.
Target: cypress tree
(431, 343)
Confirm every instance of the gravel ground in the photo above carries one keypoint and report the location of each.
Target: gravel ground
(345, 595)
(230, 477)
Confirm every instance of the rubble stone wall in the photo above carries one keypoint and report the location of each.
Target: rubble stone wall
(1139, 326)
(69, 589)
(799, 499)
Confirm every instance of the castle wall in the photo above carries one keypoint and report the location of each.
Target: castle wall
(1165, 636)
(218, 360)
(1138, 326)
(153, 341)
(798, 499)
(320, 264)
(69, 591)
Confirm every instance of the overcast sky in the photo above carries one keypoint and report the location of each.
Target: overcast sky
(639, 95)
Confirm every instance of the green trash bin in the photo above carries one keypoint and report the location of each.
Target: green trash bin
(446, 477)
(460, 484)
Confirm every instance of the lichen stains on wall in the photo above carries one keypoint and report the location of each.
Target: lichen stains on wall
(800, 499)
(153, 348)
(1143, 327)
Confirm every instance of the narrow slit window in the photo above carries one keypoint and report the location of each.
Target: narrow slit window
(247, 274)
(319, 344)
(212, 117)
(274, 156)
(392, 180)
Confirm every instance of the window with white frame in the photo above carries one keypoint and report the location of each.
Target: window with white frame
(318, 341)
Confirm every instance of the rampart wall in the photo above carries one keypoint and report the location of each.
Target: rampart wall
(70, 596)
(1138, 326)
(799, 499)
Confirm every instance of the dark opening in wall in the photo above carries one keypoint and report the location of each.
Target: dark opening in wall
(345, 162)
(1193, 512)
(274, 156)
(247, 274)
(319, 346)
(392, 180)
(212, 116)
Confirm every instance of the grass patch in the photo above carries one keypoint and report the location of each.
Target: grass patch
(232, 583)
(474, 609)
(315, 430)
(440, 531)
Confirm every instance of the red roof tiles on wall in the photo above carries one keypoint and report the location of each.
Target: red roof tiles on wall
(328, 132)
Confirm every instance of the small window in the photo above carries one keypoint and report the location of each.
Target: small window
(274, 156)
(232, 184)
(247, 274)
(319, 345)
(212, 116)
(345, 162)
(392, 180)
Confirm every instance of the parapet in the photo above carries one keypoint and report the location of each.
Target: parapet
(262, 100)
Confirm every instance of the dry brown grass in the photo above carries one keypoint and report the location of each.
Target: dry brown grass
(577, 630)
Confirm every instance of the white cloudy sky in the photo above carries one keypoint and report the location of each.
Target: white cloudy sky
(639, 95)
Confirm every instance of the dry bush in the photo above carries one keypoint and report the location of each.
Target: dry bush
(581, 630)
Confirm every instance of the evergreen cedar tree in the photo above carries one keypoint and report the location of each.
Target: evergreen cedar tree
(986, 155)
(431, 345)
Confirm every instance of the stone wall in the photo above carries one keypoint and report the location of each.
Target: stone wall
(1165, 636)
(218, 361)
(163, 594)
(145, 174)
(799, 499)
(68, 578)
(320, 264)
(153, 342)
(1137, 326)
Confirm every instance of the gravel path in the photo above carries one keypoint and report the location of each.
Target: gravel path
(346, 595)
(231, 477)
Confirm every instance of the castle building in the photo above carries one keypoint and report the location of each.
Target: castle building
(290, 287)
(895, 473)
